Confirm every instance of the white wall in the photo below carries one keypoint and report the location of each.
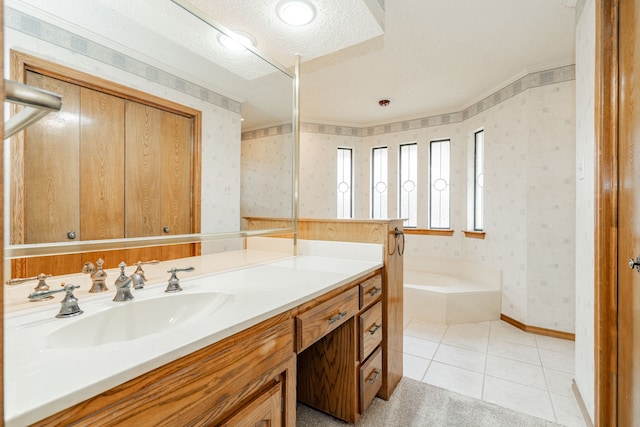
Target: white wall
(585, 204)
(529, 185)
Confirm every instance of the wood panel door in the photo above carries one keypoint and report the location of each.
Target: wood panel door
(51, 168)
(629, 214)
(101, 165)
(176, 173)
(158, 171)
(143, 191)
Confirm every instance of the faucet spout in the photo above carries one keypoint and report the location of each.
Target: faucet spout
(123, 286)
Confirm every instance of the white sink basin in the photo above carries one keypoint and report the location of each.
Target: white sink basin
(135, 319)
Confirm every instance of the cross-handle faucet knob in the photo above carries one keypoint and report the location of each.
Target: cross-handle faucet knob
(174, 282)
(40, 277)
(41, 286)
(140, 271)
(69, 304)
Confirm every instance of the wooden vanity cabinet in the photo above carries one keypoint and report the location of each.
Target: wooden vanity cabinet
(245, 380)
(388, 234)
(339, 349)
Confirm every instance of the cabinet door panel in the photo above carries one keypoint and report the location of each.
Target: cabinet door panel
(51, 171)
(143, 189)
(264, 411)
(176, 173)
(101, 165)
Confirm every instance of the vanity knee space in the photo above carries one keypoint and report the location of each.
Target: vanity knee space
(340, 347)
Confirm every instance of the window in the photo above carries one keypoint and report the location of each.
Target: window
(439, 195)
(379, 170)
(478, 193)
(345, 183)
(408, 184)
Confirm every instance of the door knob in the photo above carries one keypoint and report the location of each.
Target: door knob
(634, 264)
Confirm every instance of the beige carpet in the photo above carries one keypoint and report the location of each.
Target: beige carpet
(418, 404)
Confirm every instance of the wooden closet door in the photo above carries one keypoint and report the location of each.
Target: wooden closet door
(51, 167)
(143, 161)
(101, 165)
(176, 173)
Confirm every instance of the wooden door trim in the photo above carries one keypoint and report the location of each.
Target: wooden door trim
(22, 62)
(606, 214)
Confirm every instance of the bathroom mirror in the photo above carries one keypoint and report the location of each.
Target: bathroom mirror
(179, 57)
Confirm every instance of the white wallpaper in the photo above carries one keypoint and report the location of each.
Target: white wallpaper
(267, 176)
(529, 191)
(585, 189)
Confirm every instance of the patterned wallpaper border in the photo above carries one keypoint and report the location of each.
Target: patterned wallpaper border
(32, 26)
(530, 81)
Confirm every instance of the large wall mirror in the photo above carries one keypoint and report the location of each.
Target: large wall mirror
(156, 141)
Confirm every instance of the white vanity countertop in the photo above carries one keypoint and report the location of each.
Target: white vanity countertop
(40, 380)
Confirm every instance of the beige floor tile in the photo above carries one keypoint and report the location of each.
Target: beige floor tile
(567, 411)
(460, 357)
(516, 371)
(419, 347)
(506, 332)
(509, 350)
(518, 397)
(455, 379)
(425, 330)
(559, 382)
(556, 360)
(556, 344)
(414, 367)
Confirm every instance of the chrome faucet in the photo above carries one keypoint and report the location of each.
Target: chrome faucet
(174, 282)
(98, 276)
(69, 303)
(140, 271)
(41, 286)
(123, 284)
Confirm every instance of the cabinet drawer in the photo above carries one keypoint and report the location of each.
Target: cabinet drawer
(324, 318)
(370, 290)
(370, 379)
(370, 328)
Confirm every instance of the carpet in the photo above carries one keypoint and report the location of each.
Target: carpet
(416, 404)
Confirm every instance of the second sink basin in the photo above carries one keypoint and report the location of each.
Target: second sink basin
(136, 319)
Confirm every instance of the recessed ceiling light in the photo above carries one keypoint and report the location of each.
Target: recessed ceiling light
(296, 12)
(236, 41)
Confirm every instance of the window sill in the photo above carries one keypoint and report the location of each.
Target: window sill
(428, 231)
(474, 234)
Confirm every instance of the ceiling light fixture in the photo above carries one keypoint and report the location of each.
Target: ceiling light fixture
(236, 41)
(296, 12)
(383, 102)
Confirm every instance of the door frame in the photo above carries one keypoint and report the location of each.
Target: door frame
(606, 214)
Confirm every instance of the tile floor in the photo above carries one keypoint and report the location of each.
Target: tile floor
(498, 363)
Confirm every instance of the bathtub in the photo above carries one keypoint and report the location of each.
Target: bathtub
(449, 291)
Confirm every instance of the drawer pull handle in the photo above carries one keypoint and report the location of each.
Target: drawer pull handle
(375, 291)
(372, 379)
(335, 318)
(375, 328)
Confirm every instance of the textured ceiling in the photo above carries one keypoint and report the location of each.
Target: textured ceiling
(427, 56)
(435, 56)
(338, 25)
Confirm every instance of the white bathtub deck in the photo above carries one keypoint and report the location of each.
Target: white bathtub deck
(449, 299)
